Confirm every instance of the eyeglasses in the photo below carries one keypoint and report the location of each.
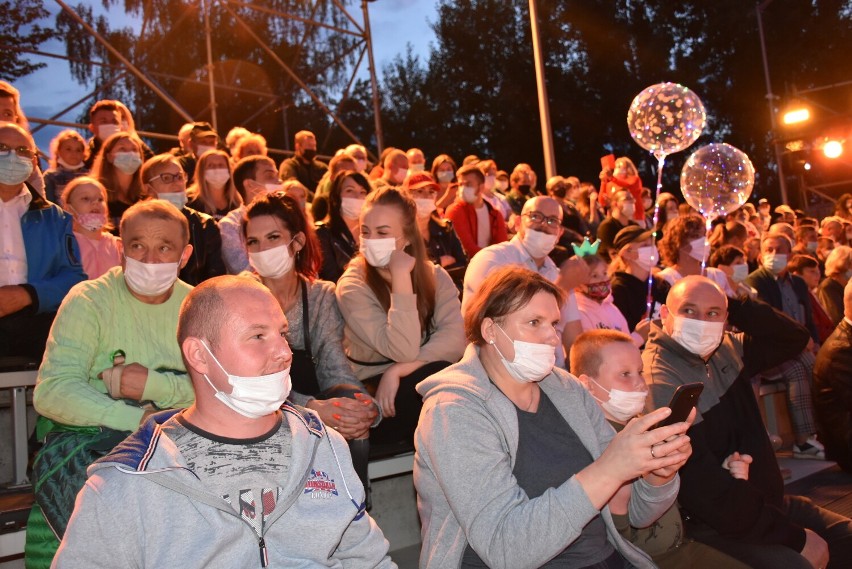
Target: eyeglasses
(169, 178)
(541, 219)
(22, 151)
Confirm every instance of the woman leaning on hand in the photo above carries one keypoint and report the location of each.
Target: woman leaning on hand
(515, 462)
(402, 314)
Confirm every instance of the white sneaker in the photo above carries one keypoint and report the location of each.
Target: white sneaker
(810, 449)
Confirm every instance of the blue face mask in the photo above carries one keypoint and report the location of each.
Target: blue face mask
(14, 169)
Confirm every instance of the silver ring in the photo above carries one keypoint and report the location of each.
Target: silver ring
(652, 452)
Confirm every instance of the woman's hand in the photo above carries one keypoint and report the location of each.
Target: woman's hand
(401, 262)
(638, 450)
(352, 418)
(386, 392)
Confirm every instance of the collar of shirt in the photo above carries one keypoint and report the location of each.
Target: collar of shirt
(20, 202)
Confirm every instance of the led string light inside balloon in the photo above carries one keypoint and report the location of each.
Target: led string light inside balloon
(664, 119)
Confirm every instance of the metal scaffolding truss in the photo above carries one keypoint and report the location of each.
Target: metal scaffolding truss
(154, 80)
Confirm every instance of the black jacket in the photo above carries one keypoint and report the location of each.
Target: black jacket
(833, 395)
(444, 241)
(338, 247)
(630, 296)
(768, 291)
(206, 259)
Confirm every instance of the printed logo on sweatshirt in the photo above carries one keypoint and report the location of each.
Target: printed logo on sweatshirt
(320, 485)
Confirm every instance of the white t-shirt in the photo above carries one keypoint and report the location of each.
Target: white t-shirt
(483, 227)
(671, 276)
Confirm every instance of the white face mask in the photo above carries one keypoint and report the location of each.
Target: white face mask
(532, 362)
(622, 405)
(351, 207)
(647, 257)
(378, 252)
(400, 175)
(107, 130)
(740, 273)
(177, 199)
(272, 263)
(202, 148)
(502, 185)
(775, 263)
(699, 249)
(150, 279)
(127, 162)
(538, 243)
(68, 166)
(360, 164)
(217, 176)
(425, 207)
(811, 246)
(414, 168)
(697, 336)
(468, 194)
(14, 169)
(628, 209)
(272, 187)
(253, 397)
(445, 176)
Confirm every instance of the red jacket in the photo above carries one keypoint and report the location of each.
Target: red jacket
(633, 184)
(463, 216)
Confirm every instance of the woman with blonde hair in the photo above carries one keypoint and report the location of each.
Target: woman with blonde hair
(68, 153)
(117, 167)
(212, 190)
(402, 313)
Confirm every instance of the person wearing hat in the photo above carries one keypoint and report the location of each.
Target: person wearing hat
(785, 214)
(763, 208)
(202, 138)
(477, 224)
(442, 244)
(634, 256)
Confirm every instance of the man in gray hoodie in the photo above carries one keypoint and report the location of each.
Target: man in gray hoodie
(235, 480)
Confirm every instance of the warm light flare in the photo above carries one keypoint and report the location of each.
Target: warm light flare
(832, 149)
(797, 116)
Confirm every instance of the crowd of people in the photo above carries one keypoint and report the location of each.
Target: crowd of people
(245, 335)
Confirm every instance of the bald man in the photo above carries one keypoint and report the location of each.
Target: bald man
(750, 519)
(833, 388)
(241, 477)
(538, 229)
(303, 165)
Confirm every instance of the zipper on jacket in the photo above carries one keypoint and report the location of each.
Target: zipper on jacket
(264, 556)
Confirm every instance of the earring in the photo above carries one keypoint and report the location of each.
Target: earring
(491, 342)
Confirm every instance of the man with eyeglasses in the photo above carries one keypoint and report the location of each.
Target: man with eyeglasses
(39, 256)
(164, 179)
(538, 229)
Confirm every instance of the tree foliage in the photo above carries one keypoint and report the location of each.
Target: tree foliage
(20, 30)
(166, 40)
(477, 93)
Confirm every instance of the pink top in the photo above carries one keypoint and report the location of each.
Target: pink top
(99, 255)
(603, 316)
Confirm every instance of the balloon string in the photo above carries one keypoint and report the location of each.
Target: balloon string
(661, 161)
(708, 221)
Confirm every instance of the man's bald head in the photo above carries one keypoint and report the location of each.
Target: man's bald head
(11, 131)
(695, 297)
(543, 204)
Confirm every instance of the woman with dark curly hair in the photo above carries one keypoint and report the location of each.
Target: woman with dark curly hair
(684, 247)
(843, 207)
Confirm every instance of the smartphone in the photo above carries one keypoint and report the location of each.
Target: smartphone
(684, 399)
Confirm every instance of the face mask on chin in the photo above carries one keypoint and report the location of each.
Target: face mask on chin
(253, 396)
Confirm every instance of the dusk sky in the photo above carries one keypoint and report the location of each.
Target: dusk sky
(394, 23)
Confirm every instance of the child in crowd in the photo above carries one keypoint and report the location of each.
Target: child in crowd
(85, 199)
(67, 161)
(609, 365)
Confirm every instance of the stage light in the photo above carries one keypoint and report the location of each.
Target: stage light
(832, 149)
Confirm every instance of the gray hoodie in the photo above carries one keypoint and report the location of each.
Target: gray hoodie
(142, 507)
(466, 443)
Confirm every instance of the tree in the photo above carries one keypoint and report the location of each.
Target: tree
(167, 42)
(480, 82)
(20, 31)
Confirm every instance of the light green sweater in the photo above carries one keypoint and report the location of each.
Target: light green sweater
(97, 318)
